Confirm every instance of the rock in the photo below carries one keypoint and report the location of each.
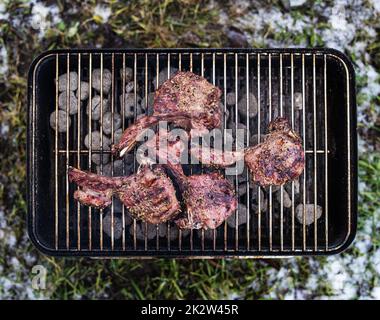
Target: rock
(128, 169)
(117, 135)
(242, 216)
(242, 189)
(128, 218)
(309, 210)
(243, 176)
(209, 234)
(274, 189)
(98, 159)
(190, 37)
(62, 117)
(129, 105)
(96, 107)
(128, 74)
(129, 158)
(130, 87)
(162, 229)
(95, 138)
(150, 101)
(263, 207)
(62, 81)
(236, 38)
(107, 122)
(253, 139)
(117, 169)
(84, 90)
(163, 76)
(185, 233)
(174, 231)
(107, 80)
(240, 125)
(255, 198)
(141, 231)
(252, 107)
(117, 206)
(230, 99)
(296, 186)
(287, 202)
(298, 100)
(226, 113)
(118, 227)
(288, 187)
(62, 99)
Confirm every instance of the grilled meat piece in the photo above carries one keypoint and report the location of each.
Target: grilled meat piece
(149, 194)
(193, 94)
(209, 198)
(186, 99)
(279, 159)
(275, 161)
(131, 134)
(92, 198)
(165, 147)
(216, 157)
(96, 190)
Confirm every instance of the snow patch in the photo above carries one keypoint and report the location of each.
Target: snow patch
(4, 15)
(103, 11)
(43, 17)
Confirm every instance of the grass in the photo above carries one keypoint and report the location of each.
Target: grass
(369, 172)
(139, 24)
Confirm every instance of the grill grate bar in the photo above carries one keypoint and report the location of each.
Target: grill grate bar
(304, 146)
(112, 140)
(67, 150)
(191, 169)
(259, 140)
(101, 144)
(180, 230)
(146, 84)
(56, 154)
(281, 187)
(247, 137)
(270, 188)
(134, 152)
(78, 148)
(236, 147)
(292, 123)
(202, 74)
(326, 150)
(213, 82)
(157, 83)
(315, 154)
(109, 152)
(90, 146)
(224, 128)
(123, 236)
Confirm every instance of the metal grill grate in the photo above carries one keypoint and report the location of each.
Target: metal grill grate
(296, 84)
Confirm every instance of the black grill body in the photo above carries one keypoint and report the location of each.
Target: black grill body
(313, 88)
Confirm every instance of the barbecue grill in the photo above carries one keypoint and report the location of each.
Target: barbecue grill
(313, 88)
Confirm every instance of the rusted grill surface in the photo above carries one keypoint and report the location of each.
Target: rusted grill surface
(313, 89)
